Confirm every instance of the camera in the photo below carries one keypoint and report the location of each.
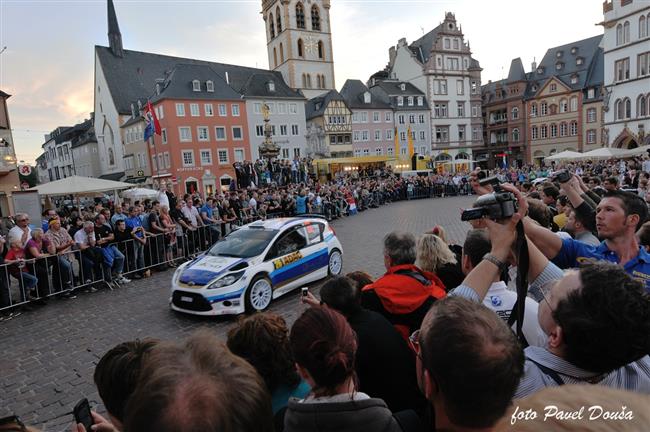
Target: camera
(561, 176)
(496, 205)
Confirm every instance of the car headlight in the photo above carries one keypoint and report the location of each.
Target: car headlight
(226, 280)
(178, 273)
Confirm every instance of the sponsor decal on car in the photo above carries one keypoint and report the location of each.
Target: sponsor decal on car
(285, 260)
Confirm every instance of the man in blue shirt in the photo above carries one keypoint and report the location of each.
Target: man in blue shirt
(618, 216)
(134, 226)
(302, 203)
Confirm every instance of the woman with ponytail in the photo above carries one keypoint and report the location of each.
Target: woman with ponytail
(324, 348)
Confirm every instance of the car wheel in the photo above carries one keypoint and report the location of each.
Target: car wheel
(259, 294)
(335, 264)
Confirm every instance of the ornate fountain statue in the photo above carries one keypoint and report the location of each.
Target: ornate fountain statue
(268, 149)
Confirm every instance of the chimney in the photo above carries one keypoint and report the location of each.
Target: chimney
(392, 53)
(227, 78)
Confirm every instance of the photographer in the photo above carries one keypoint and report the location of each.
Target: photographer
(587, 343)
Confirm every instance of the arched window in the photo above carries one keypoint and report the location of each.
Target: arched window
(619, 34)
(642, 28)
(515, 113)
(321, 50)
(562, 129)
(323, 81)
(279, 18)
(271, 26)
(543, 109)
(553, 130)
(111, 157)
(533, 110)
(573, 104)
(626, 32)
(308, 81)
(564, 106)
(574, 128)
(628, 108)
(300, 16)
(315, 18)
(304, 81)
(281, 53)
(543, 131)
(641, 106)
(275, 57)
(533, 132)
(618, 109)
(300, 48)
(515, 135)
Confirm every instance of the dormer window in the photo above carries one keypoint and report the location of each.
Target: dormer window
(271, 86)
(574, 79)
(559, 65)
(580, 61)
(420, 101)
(196, 85)
(400, 101)
(209, 85)
(410, 100)
(574, 50)
(534, 88)
(402, 87)
(366, 97)
(540, 70)
(558, 54)
(553, 87)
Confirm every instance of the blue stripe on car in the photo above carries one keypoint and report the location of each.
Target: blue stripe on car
(203, 277)
(227, 296)
(301, 267)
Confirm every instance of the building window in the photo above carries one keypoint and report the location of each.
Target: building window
(553, 87)
(196, 85)
(440, 110)
(591, 136)
(378, 151)
(388, 116)
(208, 110)
(300, 48)
(440, 86)
(202, 133)
(400, 119)
(447, 43)
(533, 110)
(574, 79)
(574, 128)
(563, 129)
(239, 155)
(643, 63)
(271, 26)
(591, 115)
(543, 131)
(321, 50)
(235, 110)
(461, 133)
(564, 106)
(237, 133)
(194, 110)
(188, 158)
(365, 135)
(315, 18)
(514, 113)
(626, 32)
(442, 134)
(628, 108)
(366, 151)
(356, 136)
(293, 108)
(223, 112)
(573, 104)
(163, 133)
(364, 117)
(180, 110)
(295, 130)
(422, 135)
(278, 20)
(402, 136)
(375, 117)
(275, 56)
(209, 85)
(410, 101)
(411, 118)
(622, 69)
(220, 133)
(461, 109)
(642, 106)
(283, 130)
(543, 109)
(206, 157)
(400, 101)
(300, 16)
(389, 134)
(259, 131)
(377, 135)
(185, 133)
(421, 119)
(534, 132)
(515, 135)
(553, 130)
(222, 154)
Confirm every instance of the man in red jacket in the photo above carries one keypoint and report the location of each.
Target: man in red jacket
(405, 293)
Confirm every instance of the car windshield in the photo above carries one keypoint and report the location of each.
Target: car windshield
(243, 243)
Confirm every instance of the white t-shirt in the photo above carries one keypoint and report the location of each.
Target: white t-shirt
(16, 234)
(81, 237)
(501, 300)
(163, 199)
(192, 214)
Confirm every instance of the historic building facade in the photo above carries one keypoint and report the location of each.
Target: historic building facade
(299, 43)
(440, 64)
(8, 170)
(329, 126)
(627, 73)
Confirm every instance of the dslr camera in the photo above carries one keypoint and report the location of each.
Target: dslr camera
(561, 176)
(496, 205)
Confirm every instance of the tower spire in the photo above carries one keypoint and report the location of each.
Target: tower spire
(114, 35)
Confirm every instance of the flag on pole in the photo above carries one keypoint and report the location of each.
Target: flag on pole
(151, 121)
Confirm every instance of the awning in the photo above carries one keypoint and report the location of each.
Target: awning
(78, 185)
(354, 160)
(113, 177)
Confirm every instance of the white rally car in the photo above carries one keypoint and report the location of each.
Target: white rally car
(255, 264)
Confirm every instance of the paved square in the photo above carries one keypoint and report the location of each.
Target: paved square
(49, 355)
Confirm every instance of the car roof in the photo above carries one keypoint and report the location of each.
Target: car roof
(281, 223)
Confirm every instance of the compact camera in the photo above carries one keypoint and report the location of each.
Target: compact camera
(496, 205)
(561, 176)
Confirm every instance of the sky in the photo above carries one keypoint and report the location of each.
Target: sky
(48, 62)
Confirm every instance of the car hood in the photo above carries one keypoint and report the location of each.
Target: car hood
(204, 269)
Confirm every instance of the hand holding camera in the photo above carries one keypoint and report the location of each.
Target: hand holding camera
(494, 205)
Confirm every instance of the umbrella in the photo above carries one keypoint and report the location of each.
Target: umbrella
(567, 154)
(76, 185)
(604, 153)
(639, 151)
(139, 193)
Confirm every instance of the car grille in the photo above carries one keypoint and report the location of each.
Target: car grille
(198, 302)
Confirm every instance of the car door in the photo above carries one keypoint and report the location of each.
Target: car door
(286, 255)
(315, 252)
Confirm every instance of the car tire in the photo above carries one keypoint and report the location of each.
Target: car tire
(335, 263)
(259, 294)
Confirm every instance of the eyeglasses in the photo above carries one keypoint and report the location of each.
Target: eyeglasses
(414, 342)
(545, 290)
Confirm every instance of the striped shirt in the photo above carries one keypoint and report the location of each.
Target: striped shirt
(633, 377)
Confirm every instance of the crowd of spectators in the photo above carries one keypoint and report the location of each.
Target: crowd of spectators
(431, 344)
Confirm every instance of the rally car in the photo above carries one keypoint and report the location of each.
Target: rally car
(255, 264)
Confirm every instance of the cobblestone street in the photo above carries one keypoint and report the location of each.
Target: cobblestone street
(49, 354)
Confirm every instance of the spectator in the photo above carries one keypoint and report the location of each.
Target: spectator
(125, 245)
(393, 378)
(15, 258)
(134, 226)
(575, 226)
(434, 256)
(324, 347)
(468, 364)
(499, 298)
(91, 256)
(22, 231)
(157, 239)
(113, 259)
(549, 196)
(197, 385)
(76, 224)
(118, 215)
(563, 210)
(170, 234)
(39, 249)
(610, 183)
(263, 340)
(302, 203)
(47, 215)
(405, 293)
(58, 237)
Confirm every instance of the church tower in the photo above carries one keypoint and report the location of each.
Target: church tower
(114, 35)
(299, 43)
